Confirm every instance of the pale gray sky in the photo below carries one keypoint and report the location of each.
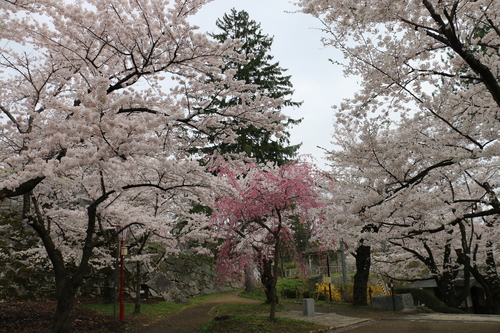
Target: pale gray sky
(297, 47)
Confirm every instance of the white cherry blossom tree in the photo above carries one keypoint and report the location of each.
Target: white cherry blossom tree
(100, 103)
(444, 220)
(428, 71)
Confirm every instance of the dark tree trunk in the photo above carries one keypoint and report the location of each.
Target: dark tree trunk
(137, 306)
(491, 290)
(26, 205)
(66, 282)
(65, 301)
(490, 281)
(463, 258)
(65, 295)
(446, 280)
(138, 276)
(267, 279)
(493, 298)
(363, 262)
(446, 289)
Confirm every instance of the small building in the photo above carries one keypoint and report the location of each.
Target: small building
(474, 303)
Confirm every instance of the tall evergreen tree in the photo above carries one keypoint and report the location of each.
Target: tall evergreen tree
(269, 79)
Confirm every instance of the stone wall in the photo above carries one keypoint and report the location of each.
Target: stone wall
(184, 277)
(177, 279)
(19, 277)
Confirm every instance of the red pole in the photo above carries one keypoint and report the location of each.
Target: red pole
(122, 307)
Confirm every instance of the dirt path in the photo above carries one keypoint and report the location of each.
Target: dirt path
(191, 319)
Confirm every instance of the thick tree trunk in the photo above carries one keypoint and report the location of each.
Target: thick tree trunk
(490, 281)
(363, 262)
(66, 282)
(493, 298)
(446, 280)
(274, 296)
(267, 279)
(65, 301)
(446, 290)
(64, 285)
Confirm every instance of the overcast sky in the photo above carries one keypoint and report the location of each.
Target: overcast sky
(297, 47)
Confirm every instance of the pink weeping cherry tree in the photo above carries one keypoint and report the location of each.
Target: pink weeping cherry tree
(254, 216)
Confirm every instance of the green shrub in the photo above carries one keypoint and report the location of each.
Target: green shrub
(289, 293)
(296, 288)
(291, 283)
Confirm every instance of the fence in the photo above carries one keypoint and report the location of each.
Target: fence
(318, 270)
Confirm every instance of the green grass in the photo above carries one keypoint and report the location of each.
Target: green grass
(151, 311)
(283, 284)
(254, 318)
(147, 310)
(258, 294)
(291, 283)
(258, 324)
(236, 318)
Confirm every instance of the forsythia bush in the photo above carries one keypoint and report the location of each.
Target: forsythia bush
(322, 290)
(377, 290)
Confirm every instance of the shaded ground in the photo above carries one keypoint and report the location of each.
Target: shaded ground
(413, 321)
(190, 319)
(36, 317)
(349, 310)
(412, 326)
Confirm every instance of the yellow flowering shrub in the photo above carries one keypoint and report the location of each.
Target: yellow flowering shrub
(323, 291)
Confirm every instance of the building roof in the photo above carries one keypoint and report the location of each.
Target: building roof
(429, 283)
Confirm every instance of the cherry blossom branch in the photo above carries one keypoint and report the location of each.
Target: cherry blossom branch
(23, 188)
(449, 37)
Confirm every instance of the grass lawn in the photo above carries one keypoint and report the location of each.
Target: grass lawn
(232, 317)
(151, 310)
(228, 317)
(250, 318)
